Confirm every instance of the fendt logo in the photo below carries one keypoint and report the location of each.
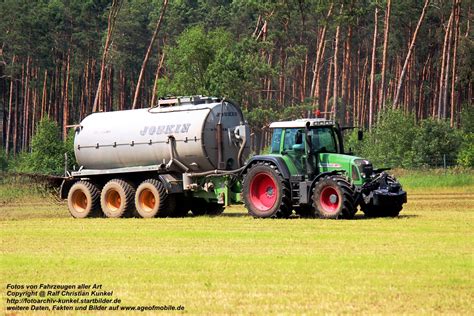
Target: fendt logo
(165, 129)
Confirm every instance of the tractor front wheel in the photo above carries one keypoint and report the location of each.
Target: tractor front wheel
(333, 198)
(265, 192)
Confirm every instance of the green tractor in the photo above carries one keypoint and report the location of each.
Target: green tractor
(308, 171)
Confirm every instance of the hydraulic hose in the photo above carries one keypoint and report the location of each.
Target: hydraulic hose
(216, 172)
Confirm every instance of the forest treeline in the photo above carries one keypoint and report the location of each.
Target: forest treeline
(67, 58)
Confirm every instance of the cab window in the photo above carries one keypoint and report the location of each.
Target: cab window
(323, 140)
(293, 139)
(276, 140)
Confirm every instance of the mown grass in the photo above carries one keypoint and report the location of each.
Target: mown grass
(421, 262)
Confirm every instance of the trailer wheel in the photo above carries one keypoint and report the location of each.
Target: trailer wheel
(83, 200)
(265, 192)
(333, 197)
(152, 200)
(116, 199)
(370, 210)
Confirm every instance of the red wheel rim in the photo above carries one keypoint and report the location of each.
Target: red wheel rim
(263, 191)
(330, 200)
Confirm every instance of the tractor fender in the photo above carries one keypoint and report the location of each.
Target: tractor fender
(277, 161)
(324, 174)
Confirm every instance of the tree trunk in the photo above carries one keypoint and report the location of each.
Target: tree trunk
(114, 10)
(304, 79)
(363, 92)
(44, 96)
(384, 56)
(35, 101)
(10, 109)
(148, 52)
(66, 98)
(318, 62)
(328, 87)
(410, 50)
(372, 70)
(421, 96)
(346, 74)
(355, 93)
(155, 84)
(442, 82)
(446, 73)
(336, 52)
(26, 106)
(15, 117)
(455, 50)
(317, 89)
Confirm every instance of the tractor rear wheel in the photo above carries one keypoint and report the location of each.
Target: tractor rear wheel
(116, 198)
(83, 200)
(333, 198)
(265, 192)
(152, 200)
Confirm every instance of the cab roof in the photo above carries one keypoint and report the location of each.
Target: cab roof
(302, 123)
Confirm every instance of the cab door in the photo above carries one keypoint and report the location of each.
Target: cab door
(293, 149)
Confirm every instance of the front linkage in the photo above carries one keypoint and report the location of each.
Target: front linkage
(383, 196)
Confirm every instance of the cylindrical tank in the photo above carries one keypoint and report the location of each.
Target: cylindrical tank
(186, 133)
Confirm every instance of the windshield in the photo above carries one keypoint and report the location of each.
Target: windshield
(323, 140)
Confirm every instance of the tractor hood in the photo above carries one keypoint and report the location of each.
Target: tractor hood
(357, 168)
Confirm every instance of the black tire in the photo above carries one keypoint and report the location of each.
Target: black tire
(83, 200)
(152, 200)
(215, 209)
(201, 207)
(370, 210)
(117, 198)
(333, 198)
(305, 211)
(181, 205)
(198, 207)
(265, 192)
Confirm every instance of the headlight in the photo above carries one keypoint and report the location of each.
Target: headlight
(365, 168)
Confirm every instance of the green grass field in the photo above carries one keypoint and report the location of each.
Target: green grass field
(421, 262)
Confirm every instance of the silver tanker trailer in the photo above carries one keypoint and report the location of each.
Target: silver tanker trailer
(184, 154)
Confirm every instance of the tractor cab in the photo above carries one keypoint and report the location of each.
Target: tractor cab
(319, 136)
(313, 146)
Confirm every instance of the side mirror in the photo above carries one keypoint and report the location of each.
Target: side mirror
(360, 135)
